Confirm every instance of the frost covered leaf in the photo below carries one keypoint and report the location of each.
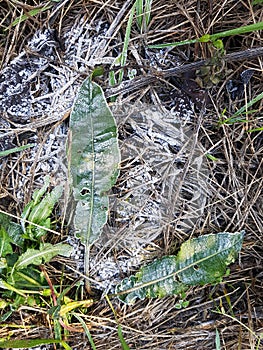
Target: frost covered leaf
(148, 277)
(200, 261)
(207, 257)
(38, 256)
(93, 160)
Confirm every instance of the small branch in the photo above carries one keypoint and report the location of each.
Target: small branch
(141, 81)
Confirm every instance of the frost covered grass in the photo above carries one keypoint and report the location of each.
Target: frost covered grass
(44, 74)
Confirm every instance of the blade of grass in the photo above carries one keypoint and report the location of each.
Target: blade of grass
(125, 346)
(218, 347)
(30, 14)
(207, 37)
(139, 12)
(143, 14)
(148, 6)
(249, 104)
(29, 343)
(123, 57)
(5, 285)
(237, 116)
(80, 319)
(16, 149)
(256, 129)
(120, 335)
(65, 345)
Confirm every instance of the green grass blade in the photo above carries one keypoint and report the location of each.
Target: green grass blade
(207, 37)
(16, 149)
(123, 57)
(174, 44)
(148, 6)
(237, 31)
(143, 14)
(256, 129)
(237, 116)
(122, 340)
(7, 286)
(218, 346)
(30, 13)
(80, 319)
(139, 12)
(249, 104)
(24, 343)
(65, 345)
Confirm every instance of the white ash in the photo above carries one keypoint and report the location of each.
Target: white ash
(19, 80)
(40, 87)
(182, 106)
(35, 85)
(150, 197)
(162, 58)
(77, 254)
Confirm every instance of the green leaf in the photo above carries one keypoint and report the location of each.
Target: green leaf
(126, 41)
(65, 309)
(41, 212)
(38, 194)
(31, 13)
(3, 264)
(155, 280)
(256, 129)
(211, 157)
(219, 44)
(204, 259)
(29, 278)
(7, 286)
(205, 38)
(139, 12)
(249, 104)
(46, 252)
(39, 209)
(94, 157)
(218, 347)
(5, 246)
(13, 230)
(200, 261)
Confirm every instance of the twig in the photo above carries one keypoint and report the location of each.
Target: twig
(141, 81)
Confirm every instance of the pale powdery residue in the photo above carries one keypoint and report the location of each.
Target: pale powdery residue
(150, 197)
(25, 76)
(42, 82)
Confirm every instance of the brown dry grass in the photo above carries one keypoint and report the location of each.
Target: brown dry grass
(235, 306)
